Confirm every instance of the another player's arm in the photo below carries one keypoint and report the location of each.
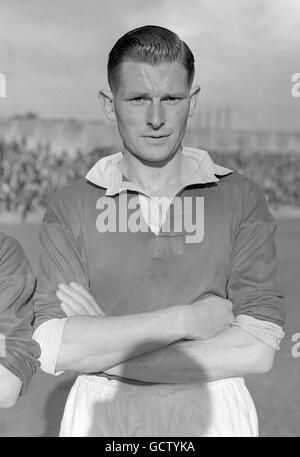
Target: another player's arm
(10, 387)
(18, 351)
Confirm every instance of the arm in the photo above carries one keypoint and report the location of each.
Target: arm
(253, 285)
(231, 353)
(18, 351)
(10, 388)
(249, 345)
(95, 343)
(111, 340)
(92, 343)
(86, 343)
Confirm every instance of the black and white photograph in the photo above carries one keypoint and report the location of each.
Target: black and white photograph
(149, 221)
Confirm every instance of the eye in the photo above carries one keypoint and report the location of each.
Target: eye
(138, 99)
(171, 99)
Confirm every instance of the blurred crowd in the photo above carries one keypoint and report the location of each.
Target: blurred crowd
(28, 176)
(277, 173)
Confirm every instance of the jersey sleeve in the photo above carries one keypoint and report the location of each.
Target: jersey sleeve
(253, 285)
(61, 259)
(19, 352)
(265, 331)
(49, 336)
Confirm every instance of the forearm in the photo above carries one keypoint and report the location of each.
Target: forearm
(10, 387)
(96, 343)
(231, 353)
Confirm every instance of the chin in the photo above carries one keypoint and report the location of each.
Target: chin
(156, 154)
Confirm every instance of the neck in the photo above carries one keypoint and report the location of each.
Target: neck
(155, 178)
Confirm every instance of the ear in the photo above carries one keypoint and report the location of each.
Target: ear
(194, 95)
(107, 101)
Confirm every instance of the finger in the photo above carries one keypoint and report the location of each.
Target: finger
(79, 297)
(80, 289)
(76, 296)
(88, 296)
(77, 287)
(74, 308)
(73, 311)
(71, 296)
(65, 288)
(78, 306)
(68, 310)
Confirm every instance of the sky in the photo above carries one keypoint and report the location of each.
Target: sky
(53, 54)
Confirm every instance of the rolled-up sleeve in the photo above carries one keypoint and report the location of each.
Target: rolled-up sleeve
(49, 336)
(19, 352)
(253, 285)
(264, 331)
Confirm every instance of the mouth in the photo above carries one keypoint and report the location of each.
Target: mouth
(156, 140)
(156, 137)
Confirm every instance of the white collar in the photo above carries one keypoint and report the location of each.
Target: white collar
(106, 172)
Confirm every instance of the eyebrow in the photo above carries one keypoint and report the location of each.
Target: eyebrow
(147, 95)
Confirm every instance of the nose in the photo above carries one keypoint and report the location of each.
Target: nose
(155, 115)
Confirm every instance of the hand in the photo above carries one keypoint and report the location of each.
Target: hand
(208, 316)
(76, 300)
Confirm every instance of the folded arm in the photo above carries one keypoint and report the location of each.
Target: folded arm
(95, 343)
(91, 343)
(10, 387)
(252, 287)
(18, 351)
(249, 345)
(231, 353)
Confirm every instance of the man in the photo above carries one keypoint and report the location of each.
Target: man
(136, 295)
(18, 351)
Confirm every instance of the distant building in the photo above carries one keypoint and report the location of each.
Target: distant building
(210, 129)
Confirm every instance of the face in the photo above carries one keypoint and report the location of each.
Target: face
(152, 105)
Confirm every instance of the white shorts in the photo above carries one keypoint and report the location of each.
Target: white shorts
(97, 406)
